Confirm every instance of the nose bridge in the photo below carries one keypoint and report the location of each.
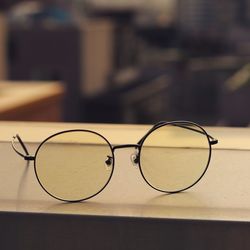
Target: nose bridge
(125, 146)
(134, 157)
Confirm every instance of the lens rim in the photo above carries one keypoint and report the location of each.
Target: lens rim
(175, 123)
(68, 131)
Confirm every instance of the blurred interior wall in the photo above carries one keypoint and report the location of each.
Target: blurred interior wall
(97, 54)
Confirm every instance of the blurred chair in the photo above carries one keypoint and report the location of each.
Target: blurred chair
(81, 57)
(198, 85)
(137, 96)
(235, 99)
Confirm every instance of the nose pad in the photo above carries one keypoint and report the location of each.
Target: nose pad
(108, 162)
(135, 159)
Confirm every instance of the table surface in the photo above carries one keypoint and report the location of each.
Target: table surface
(222, 194)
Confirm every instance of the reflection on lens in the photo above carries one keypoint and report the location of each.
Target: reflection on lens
(71, 165)
(175, 157)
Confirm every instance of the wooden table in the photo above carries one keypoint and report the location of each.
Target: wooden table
(128, 214)
(31, 101)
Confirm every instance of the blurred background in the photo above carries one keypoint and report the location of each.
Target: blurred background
(140, 61)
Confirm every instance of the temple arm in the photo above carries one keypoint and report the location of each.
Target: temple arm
(212, 140)
(26, 154)
(181, 124)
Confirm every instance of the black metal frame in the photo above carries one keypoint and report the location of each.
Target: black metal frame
(111, 159)
(182, 124)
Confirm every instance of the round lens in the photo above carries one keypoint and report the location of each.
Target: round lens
(74, 165)
(175, 156)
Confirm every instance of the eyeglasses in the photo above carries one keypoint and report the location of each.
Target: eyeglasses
(75, 165)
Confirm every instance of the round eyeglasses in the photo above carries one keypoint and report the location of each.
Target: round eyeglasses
(75, 165)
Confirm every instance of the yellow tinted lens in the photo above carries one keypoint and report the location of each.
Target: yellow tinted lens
(71, 165)
(174, 158)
